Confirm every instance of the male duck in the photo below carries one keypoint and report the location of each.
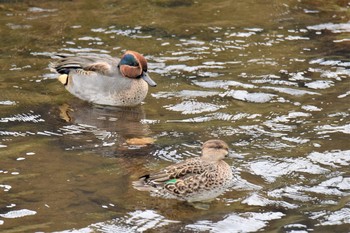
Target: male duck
(196, 179)
(105, 80)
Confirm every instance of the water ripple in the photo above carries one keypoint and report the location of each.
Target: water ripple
(271, 168)
(24, 117)
(330, 218)
(193, 107)
(184, 94)
(257, 200)
(18, 213)
(222, 84)
(136, 221)
(333, 158)
(333, 27)
(249, 97)
(324, 129)
(240, 222)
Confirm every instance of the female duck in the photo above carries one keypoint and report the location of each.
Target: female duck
(195, 179)
(105, 80)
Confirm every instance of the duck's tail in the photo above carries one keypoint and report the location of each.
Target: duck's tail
(142, 184)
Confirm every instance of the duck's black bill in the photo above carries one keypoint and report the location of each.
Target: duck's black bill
(148, 79)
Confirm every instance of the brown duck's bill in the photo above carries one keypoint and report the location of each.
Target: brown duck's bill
(148, 79)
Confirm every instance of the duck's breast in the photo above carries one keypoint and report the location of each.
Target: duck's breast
(107, 90)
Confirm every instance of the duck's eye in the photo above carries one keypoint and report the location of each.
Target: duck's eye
(217, 147)
(129, 60)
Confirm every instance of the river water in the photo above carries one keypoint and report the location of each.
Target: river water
(271, 78)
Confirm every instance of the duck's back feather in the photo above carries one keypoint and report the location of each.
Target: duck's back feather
(104, 65)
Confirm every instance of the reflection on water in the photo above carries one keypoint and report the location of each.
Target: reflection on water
(274, 85)
(111, 127)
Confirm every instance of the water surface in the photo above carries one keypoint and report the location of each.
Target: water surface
(271, 78)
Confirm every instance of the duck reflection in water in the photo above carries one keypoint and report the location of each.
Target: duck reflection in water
(115, 130)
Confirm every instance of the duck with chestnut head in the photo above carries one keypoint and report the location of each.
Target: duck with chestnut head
(105, 80)
(196, 179)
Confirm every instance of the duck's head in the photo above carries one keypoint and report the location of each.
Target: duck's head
(214, 150)
(134, 65)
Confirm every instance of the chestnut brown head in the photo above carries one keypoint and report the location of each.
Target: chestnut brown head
(134, 65)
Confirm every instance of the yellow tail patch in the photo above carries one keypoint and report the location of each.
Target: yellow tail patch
(63, 79)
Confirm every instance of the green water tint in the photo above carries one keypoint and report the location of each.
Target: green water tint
(271, 80)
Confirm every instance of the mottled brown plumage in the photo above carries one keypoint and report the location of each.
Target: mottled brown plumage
(194, 179)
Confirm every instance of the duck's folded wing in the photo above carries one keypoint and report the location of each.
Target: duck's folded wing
(191, 184)
(179, 170)
(102, 65)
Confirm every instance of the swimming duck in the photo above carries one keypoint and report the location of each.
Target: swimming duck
(105, 80)
(195, 179)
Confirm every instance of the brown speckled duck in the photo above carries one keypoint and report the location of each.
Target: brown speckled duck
(196, 179)
(105, 80)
